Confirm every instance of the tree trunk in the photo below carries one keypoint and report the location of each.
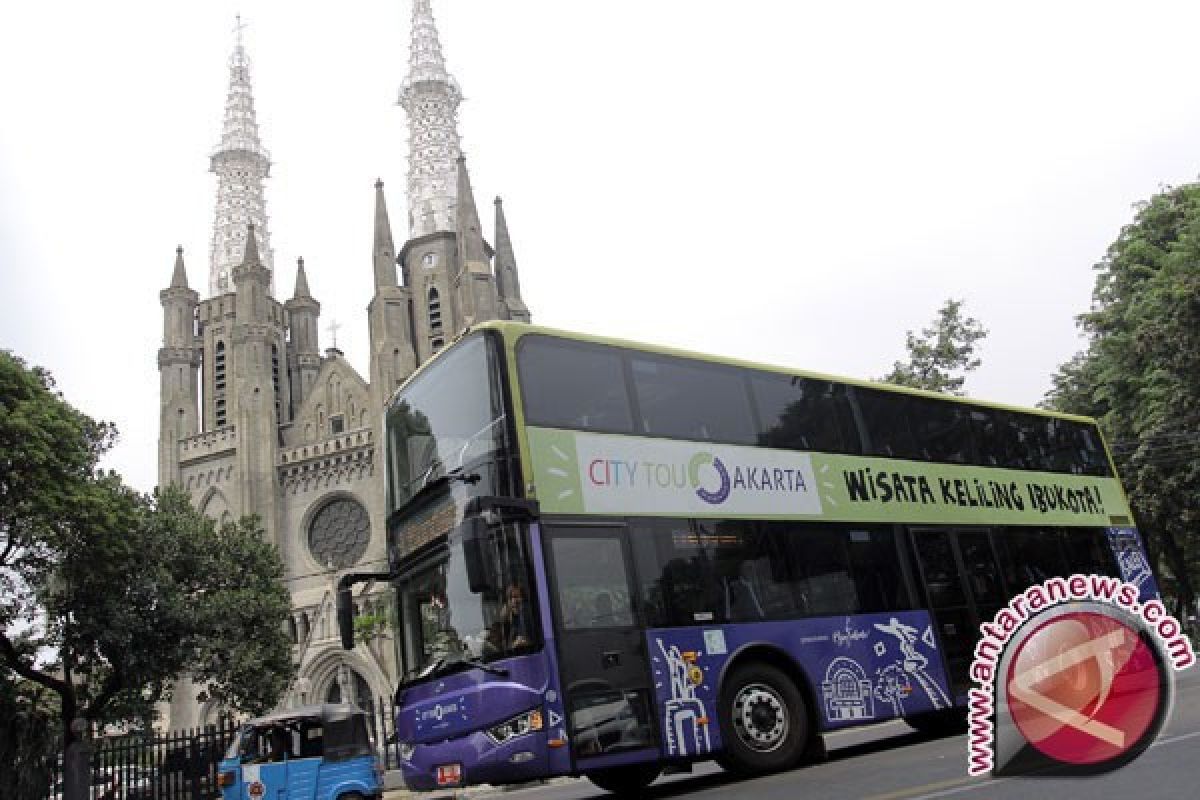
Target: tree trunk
(1187, 596)
(77, 770)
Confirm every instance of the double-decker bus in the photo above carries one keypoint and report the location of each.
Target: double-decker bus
(612, 558)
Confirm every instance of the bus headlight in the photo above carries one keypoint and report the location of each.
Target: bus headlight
(406, 751)
(519, 725)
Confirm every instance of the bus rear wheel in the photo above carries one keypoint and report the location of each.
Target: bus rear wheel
(764, 720)
(625, 781)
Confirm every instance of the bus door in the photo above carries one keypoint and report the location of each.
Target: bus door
(963, 588)
(601, 649)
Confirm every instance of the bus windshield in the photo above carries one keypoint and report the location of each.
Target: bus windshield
(447, 620)
(449, 422)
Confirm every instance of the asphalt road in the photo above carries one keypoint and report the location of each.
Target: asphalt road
(890, 762)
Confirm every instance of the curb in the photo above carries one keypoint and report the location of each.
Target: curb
(473, 792)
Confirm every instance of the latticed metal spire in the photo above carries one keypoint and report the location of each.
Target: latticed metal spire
(431, 97)
(241, 163)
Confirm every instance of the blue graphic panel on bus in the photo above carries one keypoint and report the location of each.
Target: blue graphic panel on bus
(1127, 547)
(862, 668)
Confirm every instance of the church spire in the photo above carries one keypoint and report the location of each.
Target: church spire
(508, 285)
(475, 286)
(301, 282)
(241, 163)
(431, 97)
(250, 253)
(384, 252)
(179, 275)
(471, 248)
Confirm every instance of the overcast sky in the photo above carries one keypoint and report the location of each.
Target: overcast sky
(788, 182)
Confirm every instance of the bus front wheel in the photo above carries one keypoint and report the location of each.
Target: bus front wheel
(764, 720)
(625, 780)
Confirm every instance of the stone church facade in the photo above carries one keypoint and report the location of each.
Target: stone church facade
(257, 418)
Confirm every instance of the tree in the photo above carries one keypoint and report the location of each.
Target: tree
(940, 357)
(28, 737)
(1140, 376)
(108, 595)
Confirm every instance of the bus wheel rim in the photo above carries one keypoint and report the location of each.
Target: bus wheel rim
(760, 717)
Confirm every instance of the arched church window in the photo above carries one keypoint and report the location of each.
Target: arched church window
(219, 384)
(435, 311)
(339, 533)
(275, 381)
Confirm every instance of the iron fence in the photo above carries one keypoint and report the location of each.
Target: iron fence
(182, 765)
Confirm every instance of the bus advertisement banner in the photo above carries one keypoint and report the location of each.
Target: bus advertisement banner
(865, 668)
(589, 473)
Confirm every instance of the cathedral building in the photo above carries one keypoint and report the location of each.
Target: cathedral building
(257, 419)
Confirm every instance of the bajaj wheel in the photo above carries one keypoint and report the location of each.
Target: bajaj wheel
(625, 781)
(764, 720)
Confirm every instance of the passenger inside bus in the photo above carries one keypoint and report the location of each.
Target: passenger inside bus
(604, 610)
(512, 626)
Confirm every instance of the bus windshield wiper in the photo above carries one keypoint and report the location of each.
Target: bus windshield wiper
(448, 665)
(445, 479)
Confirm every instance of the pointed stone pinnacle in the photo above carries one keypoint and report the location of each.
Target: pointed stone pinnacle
(470, 232)
(383, 247)
(301, 280)
(251, 256)
(179, 275)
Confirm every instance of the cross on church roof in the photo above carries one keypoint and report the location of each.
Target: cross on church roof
(333, 329)
(238, 27)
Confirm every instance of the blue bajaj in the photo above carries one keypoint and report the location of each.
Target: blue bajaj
(309, 753)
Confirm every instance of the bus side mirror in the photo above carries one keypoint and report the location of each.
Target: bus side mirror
(345, 618)
(474, 541)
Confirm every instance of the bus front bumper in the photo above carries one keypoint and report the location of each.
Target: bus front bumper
(475, 759)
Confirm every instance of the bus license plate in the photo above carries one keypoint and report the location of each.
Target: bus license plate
(449, 774)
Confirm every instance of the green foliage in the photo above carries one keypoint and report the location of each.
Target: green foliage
(107, 595)
(29, 736)
(940, 357)
(368, 626)
(48, 453)
(1140, 376)
(245, 656)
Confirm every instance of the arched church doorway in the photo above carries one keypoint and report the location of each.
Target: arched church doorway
(361, 697)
